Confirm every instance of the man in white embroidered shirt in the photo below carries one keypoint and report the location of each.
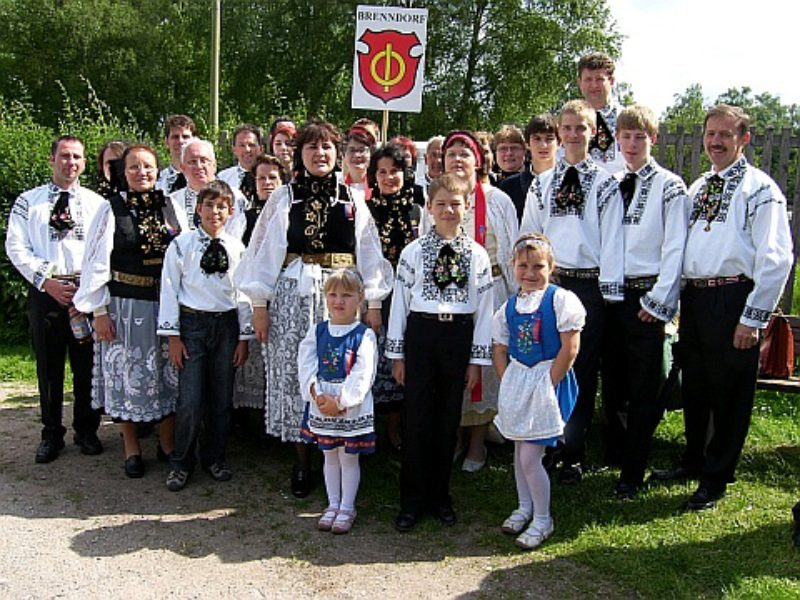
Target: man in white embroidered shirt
(45, 242)
(737, 259)
(178, 132)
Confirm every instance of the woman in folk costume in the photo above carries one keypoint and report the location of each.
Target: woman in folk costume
(316, 226)
(397, 219)
(492, 222)
(133, 379)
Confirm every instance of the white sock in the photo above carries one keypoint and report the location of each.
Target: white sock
(333, 477)
(537, 480)
(523, 493)
(351, 477)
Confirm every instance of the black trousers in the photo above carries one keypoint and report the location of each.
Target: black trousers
(52, 341)
(719, 381)
(437, 355)
(586, 366)
(633, 353)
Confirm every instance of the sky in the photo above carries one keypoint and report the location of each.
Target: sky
(671, 44)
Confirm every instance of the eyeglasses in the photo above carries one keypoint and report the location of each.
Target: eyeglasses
(357, 151)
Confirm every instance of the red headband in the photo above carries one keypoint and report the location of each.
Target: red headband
(286, 129)
(467, 140)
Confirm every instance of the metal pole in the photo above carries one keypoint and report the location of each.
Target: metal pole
(215, 35)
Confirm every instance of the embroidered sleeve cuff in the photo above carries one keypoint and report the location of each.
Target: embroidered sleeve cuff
(374, 304)
(395, 349)
(755, 317)
(100, 311)
(167, 329)
(662, 312)
(480, 355)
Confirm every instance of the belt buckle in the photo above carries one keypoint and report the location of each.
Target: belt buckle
(712, 283)
(338, 260)
(446, 317)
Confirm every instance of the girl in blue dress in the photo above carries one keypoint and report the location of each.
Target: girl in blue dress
(336, 367)
(536, 336)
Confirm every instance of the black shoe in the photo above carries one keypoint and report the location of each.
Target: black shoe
(446, 516)
(301, 483)
(704, 498)
(134, 467)
(625, 491)
(48, 450)
(89, 443)
(219, 471)
(177, 479)
(571, 474)
(679, 473)
(406, 521)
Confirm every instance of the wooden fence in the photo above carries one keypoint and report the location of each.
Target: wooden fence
(777, 152)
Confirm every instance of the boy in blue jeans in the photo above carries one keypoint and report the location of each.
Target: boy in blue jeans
(208, 323)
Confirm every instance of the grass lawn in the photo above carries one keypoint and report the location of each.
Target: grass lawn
(741, 549)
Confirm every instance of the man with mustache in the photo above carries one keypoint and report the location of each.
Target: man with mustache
(737, 259)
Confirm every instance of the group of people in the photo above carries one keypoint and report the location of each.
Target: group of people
(321, 282)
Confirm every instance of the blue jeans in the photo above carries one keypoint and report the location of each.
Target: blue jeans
(206, 387)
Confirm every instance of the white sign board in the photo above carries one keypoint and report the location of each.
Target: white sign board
(389, 57)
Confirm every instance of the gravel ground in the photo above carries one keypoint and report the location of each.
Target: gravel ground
(77, 528)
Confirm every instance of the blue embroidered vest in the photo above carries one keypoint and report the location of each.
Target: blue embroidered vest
(534, 337)
(336, 355)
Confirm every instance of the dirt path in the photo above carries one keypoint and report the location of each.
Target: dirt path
(77, 528)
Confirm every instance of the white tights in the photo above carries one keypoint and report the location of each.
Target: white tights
(533, 483)
(342, 476)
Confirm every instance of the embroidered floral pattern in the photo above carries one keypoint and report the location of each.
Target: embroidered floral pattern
(528, 334)
(431, 245)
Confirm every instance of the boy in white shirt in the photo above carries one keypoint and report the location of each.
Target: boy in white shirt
(208, 323)
(439, 333)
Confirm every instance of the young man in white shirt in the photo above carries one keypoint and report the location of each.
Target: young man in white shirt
(247, 146)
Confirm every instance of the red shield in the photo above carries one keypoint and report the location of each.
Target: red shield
(388, 71)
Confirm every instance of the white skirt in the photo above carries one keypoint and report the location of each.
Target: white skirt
(528, 408)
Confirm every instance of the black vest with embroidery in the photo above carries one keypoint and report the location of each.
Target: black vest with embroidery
(337, 232)
(128, 256)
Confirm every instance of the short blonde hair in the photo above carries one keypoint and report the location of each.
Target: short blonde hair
(451, 183)
(508, 134)
(638, 117)
(347, 279)
(580, 108)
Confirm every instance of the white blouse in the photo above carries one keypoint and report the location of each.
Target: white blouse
(233, 176)
(263, 261)
(583, 238)
(415, 290)
(183, 283)
(749, 236)
(93, 292)
(37, 250)
(570, 313)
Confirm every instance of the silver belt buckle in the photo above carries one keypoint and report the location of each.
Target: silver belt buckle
(446, 317)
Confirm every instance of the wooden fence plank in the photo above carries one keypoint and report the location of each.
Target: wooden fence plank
(697, 150)
(783, 159)
(766, 155)
(679, 149)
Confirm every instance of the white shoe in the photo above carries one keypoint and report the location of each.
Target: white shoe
(473, 466)
(533, 537)
(516, 522)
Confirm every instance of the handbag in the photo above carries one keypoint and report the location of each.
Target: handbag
(776, 357)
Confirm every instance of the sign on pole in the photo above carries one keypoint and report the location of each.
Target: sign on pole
(389, 57)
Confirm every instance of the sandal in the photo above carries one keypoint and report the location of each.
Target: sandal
(533, 537)
(515, 523)
(344, 521)
(326, 520)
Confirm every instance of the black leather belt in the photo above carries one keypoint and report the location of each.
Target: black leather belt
(443, 317)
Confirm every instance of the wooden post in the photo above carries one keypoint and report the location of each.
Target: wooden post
(766, 152)
(215, 33)
(385, 127)
(679, 137)
(697, 150)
